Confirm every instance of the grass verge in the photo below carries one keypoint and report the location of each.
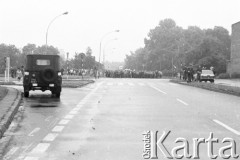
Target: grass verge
(3, 92)
(211, 86)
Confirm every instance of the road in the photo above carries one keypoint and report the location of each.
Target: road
(106, 120)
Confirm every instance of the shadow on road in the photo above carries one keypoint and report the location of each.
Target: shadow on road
(36, 101)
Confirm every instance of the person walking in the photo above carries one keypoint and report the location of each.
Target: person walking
(19, 74)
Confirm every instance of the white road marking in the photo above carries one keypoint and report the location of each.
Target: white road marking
(64, 121)
(130, 84)
(173, 84)
(120, 84)
(109, 84)
(73, 112)
(50, 137)
(10, 153)
(25, 150)
(69, 116)
(53, 123)
(40, 148)
(31, 158)
(48, 118)
(158, 89)
(34, 131)
(181, 101)
(58, 128)
(227, 127)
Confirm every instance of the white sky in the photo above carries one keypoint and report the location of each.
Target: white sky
(26, 21)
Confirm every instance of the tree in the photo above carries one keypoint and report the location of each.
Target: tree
(89, 52)
(168, 44)
(9, 51)
(46, 50)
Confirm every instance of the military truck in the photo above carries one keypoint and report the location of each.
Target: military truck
(42, 72)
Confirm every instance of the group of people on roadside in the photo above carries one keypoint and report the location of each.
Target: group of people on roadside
(17, 72)
(187, 72)
(127, 73)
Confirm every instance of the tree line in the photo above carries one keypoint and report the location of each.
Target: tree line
(168, 47)
(18, 56)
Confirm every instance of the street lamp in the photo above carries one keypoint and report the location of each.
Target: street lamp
(65, 13)
(100, 50)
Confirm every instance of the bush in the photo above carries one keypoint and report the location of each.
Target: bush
(223, 76)
(235, 75)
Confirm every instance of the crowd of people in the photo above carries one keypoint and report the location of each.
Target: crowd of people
(127, 73)
(187, 72)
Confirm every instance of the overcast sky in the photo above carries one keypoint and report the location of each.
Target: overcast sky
(26, 21)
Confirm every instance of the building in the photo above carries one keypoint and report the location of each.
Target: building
(234, 64)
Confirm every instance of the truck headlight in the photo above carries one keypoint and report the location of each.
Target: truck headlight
(59, 73)
(26, 73)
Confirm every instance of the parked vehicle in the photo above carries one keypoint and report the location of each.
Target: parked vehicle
(207, 75)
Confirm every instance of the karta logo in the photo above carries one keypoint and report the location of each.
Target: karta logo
(152, 144)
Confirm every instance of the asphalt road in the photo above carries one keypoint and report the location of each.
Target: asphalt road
(106, 120)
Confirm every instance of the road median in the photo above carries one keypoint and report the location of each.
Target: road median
(233, 90)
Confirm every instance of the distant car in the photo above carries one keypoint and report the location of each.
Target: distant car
(42, 72)
(207, 75)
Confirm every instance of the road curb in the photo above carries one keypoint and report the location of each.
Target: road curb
(211, 86)
(11, 112)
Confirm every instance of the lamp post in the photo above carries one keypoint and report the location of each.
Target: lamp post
(100, 48)
(65, 13)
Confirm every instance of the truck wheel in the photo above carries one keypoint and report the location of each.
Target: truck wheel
(26, 94)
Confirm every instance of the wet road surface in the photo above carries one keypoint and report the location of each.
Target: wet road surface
(105, 120)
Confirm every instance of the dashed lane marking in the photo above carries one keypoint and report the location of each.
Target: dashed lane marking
(48, 118)
(64, 121)
(181, 101)
(73, 112)
(58, 128)
(69, 116)
(50, 137)
(40, 148)
(158, 89)
(34, 131)
(109, 84)
(76, 109)
(227, 127)
(120, 84)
